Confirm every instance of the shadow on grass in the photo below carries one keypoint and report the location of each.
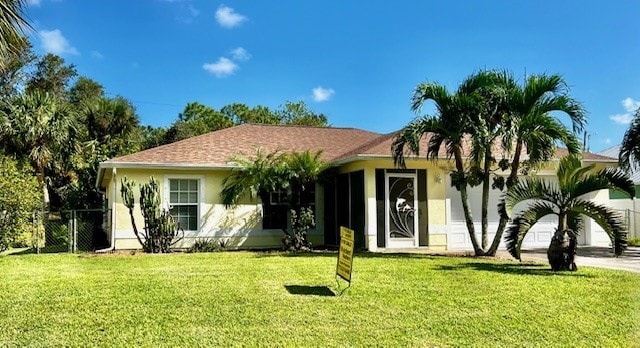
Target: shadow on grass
(512, 268)
(54, 249)
(310, 290)
(358, 254)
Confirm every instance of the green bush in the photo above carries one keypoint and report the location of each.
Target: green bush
(19, 197)
(634, 242)
(208, 245)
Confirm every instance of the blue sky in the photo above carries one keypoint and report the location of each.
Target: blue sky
(357, 62)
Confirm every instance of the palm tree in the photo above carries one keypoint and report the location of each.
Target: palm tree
(39, 127)
(529, 125)
(490, 108)
(565, 199)
(630, 149)
(12, 25)
(450, 128)
(290, 174)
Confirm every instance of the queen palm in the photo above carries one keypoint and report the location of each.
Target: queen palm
(566, 200)
(630, 148)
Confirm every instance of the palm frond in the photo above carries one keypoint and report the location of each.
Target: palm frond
(522, 223)
(608, 178)
(609, 219)
(629, 157)
(429, 91)
(531, 189)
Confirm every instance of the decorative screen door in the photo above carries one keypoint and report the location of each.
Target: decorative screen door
(401, 218)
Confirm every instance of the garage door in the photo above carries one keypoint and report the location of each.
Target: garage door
(458, 237)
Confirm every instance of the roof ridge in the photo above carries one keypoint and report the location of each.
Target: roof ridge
(303, 126)
(378, 140)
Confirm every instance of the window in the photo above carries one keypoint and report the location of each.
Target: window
(275, 211)
(183, 202)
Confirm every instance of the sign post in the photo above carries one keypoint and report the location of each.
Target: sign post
(345, 256)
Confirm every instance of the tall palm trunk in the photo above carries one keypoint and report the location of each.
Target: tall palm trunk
(513, 177)
(485, 197)
(464, 197)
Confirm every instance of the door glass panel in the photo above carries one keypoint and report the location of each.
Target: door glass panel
(401, 208)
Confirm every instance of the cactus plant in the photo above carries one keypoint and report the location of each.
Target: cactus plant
(161, 231)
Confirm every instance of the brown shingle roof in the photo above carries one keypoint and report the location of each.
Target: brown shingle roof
(217, 148)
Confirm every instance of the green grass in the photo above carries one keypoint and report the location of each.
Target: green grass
(249, 299)
(634, 242)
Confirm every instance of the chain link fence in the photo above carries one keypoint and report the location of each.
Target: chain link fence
(632, 219)
(71, 230)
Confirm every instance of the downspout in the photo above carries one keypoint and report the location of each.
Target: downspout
(112, 247)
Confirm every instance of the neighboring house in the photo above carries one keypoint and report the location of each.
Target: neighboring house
(387, 207)
(629, 208)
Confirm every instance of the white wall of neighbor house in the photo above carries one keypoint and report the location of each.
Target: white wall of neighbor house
(629, 210)
(241, 226)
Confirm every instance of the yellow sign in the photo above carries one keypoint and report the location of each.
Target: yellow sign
(345, 254)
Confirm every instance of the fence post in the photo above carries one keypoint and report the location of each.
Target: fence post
(70, 234)
(75, 231)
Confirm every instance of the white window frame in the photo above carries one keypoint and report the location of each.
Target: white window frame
(167, 193)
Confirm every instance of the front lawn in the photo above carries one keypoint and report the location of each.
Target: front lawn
(249, 299)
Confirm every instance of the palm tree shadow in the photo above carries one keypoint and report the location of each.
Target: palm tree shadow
(310, 290)
(513, 268)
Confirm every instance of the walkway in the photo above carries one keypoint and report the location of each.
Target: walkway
(594, 257)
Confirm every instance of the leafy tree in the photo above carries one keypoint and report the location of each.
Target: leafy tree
(19, 198)
(85, 90)
(490, 108)
(12, 25)
(13, 70)
(152, 136)
(196, 119)
(241, 113)
(630, 149)
(299, 114)
(52, 76)
(290, 174)
(565, 199)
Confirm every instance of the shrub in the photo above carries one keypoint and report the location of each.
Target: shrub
(19, 197)
(208, 245)
(634, 242)
(300, 224)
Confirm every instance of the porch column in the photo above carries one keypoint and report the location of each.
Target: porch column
(370, 221)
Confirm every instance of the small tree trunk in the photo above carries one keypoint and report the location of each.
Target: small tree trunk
(485, 197)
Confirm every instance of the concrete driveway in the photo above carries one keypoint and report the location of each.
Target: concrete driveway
(594, 257)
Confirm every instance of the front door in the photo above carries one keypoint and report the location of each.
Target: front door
(401, 218)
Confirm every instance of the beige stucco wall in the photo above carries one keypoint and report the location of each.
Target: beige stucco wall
(432, 229)
(241, 225)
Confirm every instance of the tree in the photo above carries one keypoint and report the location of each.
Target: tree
(290, 174)
(107, 127)
(630, 149)
(39, 127)
(19, 198)
(490, 109)
(13, 70)
(52, 76)
(196, 119)
(299, 114)
(12, 25)
(528, 123)
(565, 199)
(241, 113)
(85, 90)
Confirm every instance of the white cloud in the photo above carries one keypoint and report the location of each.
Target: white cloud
(630, 105)
(33, 2)
(222, 68)
(193, 11)
(228, 18)
(322, 94)
(607, 141)
(240, 54)
(54, 42)
(97, 55)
